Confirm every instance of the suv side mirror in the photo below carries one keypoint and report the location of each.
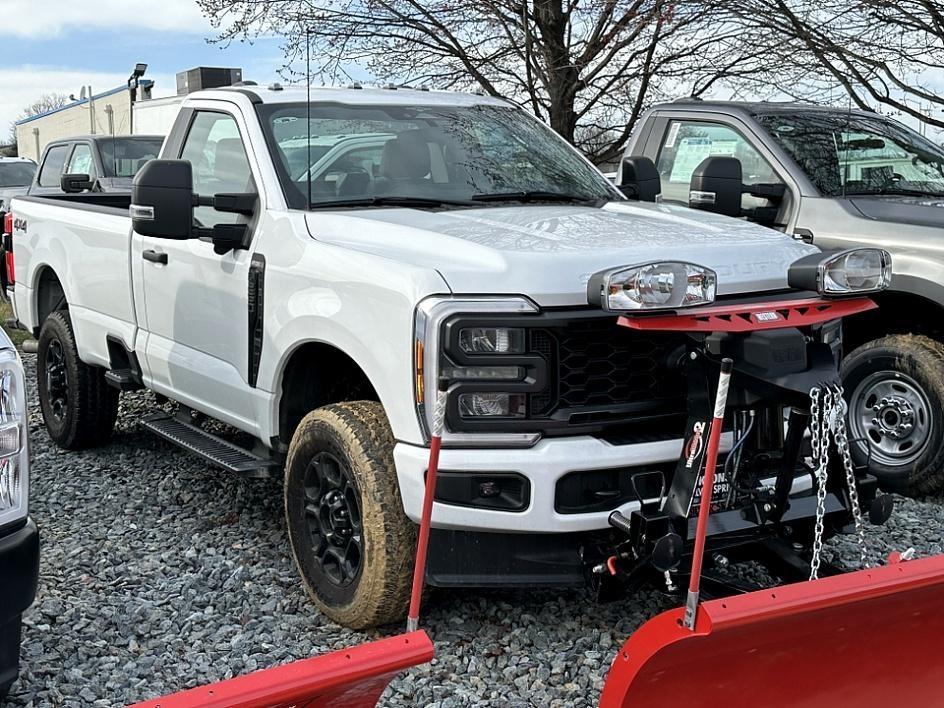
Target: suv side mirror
(75, 182)
(162, 199)
(639, 179)
(717, 185)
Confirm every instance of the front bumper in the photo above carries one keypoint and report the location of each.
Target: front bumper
(19, 570)
(542, 465)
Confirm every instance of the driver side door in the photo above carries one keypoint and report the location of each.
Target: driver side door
(195, 299)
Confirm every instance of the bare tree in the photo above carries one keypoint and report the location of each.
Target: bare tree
(46, 102)
(876, 52)
(587, 68)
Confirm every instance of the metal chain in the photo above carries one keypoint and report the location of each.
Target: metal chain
(842, 443)
(820, 460)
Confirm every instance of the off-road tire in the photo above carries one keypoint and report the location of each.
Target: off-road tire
(89, 417)
(919, 361)
(358, 435)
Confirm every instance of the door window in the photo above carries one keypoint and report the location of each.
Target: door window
(81, 162)
(52, 166)
(220, 165)
(688, 143)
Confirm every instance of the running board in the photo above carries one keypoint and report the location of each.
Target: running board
(217, 451)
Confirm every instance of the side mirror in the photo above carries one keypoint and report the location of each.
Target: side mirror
(237, 203)
(75, 182)
(639, 179)
(162, 199)
(228, 237)
(717, 185)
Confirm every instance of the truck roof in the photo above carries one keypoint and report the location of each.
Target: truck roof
(758, 107)
(98, 138)
(276, 93)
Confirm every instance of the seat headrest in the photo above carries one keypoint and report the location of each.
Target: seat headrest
(406, 156)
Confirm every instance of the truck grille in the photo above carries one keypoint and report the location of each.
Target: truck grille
(604, 374)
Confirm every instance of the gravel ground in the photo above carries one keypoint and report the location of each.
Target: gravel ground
(160, 573)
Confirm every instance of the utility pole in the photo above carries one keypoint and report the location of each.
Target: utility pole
(91, 111)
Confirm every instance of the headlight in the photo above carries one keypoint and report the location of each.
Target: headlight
(482, 364)
(14, 463)
(853, 272)
(652, 286)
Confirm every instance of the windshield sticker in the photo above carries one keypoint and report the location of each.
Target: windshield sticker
(673, 134)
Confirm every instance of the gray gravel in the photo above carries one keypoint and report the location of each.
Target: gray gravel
(160, 573)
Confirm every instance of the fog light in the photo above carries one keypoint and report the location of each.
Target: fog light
(492, 405)
(489, 489)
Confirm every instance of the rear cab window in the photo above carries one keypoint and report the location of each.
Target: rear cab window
(81, 162)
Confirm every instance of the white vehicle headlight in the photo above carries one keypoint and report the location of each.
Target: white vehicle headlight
(854, 272)
(663, 285)
(14, 461)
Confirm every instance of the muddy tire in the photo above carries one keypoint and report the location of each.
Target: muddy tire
(353, 544)
(79, 408)
(895, 390)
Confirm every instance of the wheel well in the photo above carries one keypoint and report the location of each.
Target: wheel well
(50, 296)
(315, 375)
(898, 313)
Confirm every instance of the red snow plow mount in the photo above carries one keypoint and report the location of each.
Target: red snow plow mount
(751, 317)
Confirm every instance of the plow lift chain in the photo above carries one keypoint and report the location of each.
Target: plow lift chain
(828, 419)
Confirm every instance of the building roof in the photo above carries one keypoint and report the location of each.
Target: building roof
(145, 83)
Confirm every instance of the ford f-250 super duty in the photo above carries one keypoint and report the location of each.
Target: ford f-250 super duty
(838, 179)
(319, 310)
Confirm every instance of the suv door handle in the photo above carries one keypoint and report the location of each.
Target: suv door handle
(154, 256)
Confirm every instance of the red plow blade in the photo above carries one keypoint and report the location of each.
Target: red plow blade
(349, 678)
(870, 638)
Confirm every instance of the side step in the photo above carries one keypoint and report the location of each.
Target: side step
(123, 379)
(217, 451)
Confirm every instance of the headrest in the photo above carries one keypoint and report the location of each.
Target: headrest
(406, 156)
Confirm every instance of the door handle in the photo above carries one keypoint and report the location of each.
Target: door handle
(154, 256)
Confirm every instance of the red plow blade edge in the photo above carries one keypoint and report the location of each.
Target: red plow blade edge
(869, 638)
(349, 678)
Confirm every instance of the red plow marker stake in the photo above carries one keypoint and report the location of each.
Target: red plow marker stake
(349, 678)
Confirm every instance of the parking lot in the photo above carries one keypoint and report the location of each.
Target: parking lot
(160, 573)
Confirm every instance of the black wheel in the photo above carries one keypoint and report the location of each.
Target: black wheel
(895, 391)
(351, 540)
(79, 407)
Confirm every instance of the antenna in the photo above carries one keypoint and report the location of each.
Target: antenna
(308, 105)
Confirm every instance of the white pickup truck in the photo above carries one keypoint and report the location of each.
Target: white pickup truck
(318, 310)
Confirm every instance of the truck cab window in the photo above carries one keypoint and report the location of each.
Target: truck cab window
(81, 162)
(687, 143)
(220, 165)
(52, 166)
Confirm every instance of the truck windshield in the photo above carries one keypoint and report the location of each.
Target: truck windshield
(123, 157)
(849, 153)
(423, 156)
(16, 174)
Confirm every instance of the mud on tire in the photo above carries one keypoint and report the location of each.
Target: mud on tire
(353, 544)
(79, 407)
(895, 390)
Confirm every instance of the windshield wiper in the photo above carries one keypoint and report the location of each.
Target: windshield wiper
(390, 200)
(893, 191)
(536, 196)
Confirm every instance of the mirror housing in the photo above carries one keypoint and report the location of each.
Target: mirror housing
(717, 185)
(228, 237)
(162, 199)
(639, 179)
(75, 182)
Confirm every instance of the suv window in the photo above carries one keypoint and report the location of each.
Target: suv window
(81, 162)
(220, 165)
(688, 143)
(52, 166)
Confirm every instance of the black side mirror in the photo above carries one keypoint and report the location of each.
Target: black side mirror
(75, 182)
(717, 185)
(237, 203)
(228, 237)
(162, 199)
(639, 179)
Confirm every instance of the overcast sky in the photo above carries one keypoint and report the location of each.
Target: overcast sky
(61, 45)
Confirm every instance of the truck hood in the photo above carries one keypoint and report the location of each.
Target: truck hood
(918, 211)
(549, 252)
